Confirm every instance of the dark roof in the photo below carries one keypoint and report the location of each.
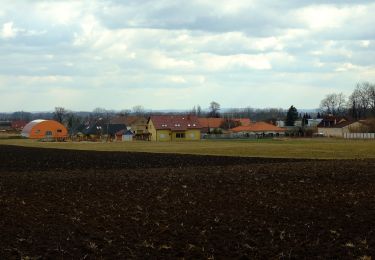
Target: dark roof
(175, 122)
(97, 129)
(77, 129)
(334, 122)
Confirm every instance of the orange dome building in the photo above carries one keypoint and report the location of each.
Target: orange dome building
(49, 129)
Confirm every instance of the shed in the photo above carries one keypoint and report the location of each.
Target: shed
(44, 129)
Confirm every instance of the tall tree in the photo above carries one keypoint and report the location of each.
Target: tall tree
(291, 116)
(362, 101)
(214, 109)
(194, 111)
(199, 111)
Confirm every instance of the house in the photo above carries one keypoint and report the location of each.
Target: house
(211, 124)
(174, 128)
(208, 125)
(280, 123)
(45, 129)
(258, 129)
(137, 124)
(313, 122)
(332, 126)
(98, 130)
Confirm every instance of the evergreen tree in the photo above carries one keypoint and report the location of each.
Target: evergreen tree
(291, 116)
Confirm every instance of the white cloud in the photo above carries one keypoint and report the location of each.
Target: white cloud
(8, 31)
(319, 17)
(347, 67)
(219, 63)
(146, 52)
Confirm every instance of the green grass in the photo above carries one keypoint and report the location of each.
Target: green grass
(319, 148)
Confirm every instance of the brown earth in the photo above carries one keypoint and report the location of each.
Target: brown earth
(115, 205)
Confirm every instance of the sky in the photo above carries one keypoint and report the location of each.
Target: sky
(171, 54)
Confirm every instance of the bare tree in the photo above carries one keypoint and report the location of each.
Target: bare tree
(333, 104)
(138, 110)
(124, 112)
(362, 100)
(59, 114)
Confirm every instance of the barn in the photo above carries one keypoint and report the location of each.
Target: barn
(45, 129)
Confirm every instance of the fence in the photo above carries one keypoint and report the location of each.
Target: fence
(359, 135)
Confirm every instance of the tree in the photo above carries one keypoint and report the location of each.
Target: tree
(362, 101)
(333, 104)
(21, 115)
(194, 111)
(138, 110)
(199, 111)
(59, 114)
(72, 121)
(291, 116)
(124, 112)
(214, 109)
(229, 123)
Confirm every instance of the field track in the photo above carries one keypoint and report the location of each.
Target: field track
(115, 205)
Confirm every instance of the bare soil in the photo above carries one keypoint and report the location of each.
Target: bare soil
(115, 205)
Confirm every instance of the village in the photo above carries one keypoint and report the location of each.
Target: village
(188, 127)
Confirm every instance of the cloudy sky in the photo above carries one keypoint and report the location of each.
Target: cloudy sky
(172, 54)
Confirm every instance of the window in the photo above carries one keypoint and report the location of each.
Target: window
(48, 133)
(37, 131)
(59, 130)
(180, 135)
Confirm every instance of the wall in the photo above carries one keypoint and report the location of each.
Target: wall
(193, 134)
(331, 132)
(163, 135)
(359, 135)
(152, 130)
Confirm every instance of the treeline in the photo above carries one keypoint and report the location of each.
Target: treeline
(359, 105)
(70, 118)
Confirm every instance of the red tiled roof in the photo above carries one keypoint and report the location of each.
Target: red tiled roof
(243, 121)
(213, 122)
(175, 122)
(257, 127)
(210, 122)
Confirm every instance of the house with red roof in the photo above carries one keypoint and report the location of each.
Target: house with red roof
(211, 123)
(258, 128)
(174, 128)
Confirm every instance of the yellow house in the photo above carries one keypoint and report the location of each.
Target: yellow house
(174, 128)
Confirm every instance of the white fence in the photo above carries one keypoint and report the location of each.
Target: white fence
(359, 135)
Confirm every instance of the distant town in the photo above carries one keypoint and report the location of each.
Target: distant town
(338, 116)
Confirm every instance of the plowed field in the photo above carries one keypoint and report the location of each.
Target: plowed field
(115, 205)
